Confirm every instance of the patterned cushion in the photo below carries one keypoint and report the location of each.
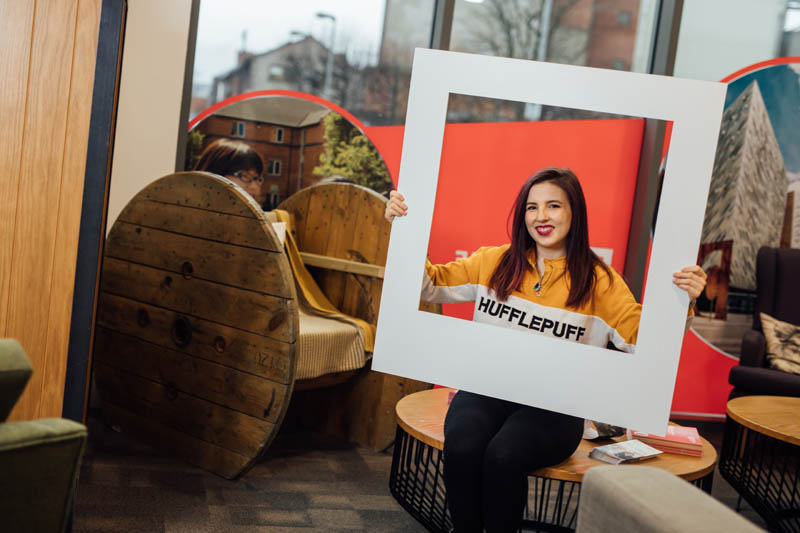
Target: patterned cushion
(783, 344)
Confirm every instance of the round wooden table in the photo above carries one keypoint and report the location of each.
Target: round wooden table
(760, 457)
(416, 474)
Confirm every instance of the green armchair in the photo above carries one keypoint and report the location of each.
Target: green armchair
(39, 459)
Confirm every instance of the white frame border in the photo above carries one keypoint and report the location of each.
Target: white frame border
(596, 383)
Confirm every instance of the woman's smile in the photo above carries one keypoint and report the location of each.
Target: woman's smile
(544, 230)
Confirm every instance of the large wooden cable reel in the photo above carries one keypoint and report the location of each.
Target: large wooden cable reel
(195, 349)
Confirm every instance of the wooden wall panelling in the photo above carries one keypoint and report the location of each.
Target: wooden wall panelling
(16, 24)
(69, 210)
(40, 190)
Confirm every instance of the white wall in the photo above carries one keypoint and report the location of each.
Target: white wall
(151, 89)
(718, 37)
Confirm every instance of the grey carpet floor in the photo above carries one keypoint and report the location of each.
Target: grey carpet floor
(307, 482)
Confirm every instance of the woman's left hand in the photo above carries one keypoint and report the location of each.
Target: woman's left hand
(692, 279)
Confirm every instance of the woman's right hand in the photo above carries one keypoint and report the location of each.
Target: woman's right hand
(396, 206)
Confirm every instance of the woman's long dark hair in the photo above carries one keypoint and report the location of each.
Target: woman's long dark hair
(224, 157)
(581, 260)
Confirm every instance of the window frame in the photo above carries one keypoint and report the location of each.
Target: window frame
(274, 167)
(237, 129)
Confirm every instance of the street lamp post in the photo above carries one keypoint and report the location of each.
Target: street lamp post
(326, 90)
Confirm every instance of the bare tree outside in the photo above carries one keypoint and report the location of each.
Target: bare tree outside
(514, 28)
(550, 30)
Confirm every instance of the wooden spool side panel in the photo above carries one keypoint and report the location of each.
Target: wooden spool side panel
(203, 355)
(370, 245)
(229, 346)
(257, 313)
(217, 459)
(322, 207)
(192, 257)
(297, 207)
(197, 417)
(339, 242)
(239, 391)
(201, 190)
(209, 225)
(318, 219)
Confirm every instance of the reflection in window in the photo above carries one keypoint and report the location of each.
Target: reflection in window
(274, 168)
(237, 128)
(272, 199)
(360, 51)
(575, 32)
(790, 45)
(277, 73)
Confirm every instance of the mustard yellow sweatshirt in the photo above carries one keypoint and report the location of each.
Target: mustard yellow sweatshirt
(611, 314)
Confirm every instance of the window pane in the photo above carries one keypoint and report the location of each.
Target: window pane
(355, 54)
(790, 45)
(596, 33)
(614, 34)
(719, 37)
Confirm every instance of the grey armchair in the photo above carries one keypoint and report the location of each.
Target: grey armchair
(778, 295)
(649, 500)
(39, 459)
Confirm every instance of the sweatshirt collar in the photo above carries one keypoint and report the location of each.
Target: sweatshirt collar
(558, 262)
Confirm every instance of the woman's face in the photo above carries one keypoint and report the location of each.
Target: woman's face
(548, 217)
(250, 181)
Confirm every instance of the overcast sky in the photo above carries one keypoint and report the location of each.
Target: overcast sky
(269, 23)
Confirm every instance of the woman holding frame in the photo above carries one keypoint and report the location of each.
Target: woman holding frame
(549, 280)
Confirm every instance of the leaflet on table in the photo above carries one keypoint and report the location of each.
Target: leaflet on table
(626, 451)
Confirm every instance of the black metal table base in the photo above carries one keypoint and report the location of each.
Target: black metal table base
(416, 483)
(765, 472)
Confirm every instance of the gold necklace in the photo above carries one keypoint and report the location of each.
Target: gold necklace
(538, 286)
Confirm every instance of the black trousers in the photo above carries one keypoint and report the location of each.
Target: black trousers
(490, 446)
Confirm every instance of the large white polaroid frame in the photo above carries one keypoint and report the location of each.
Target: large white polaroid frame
(630, 390)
